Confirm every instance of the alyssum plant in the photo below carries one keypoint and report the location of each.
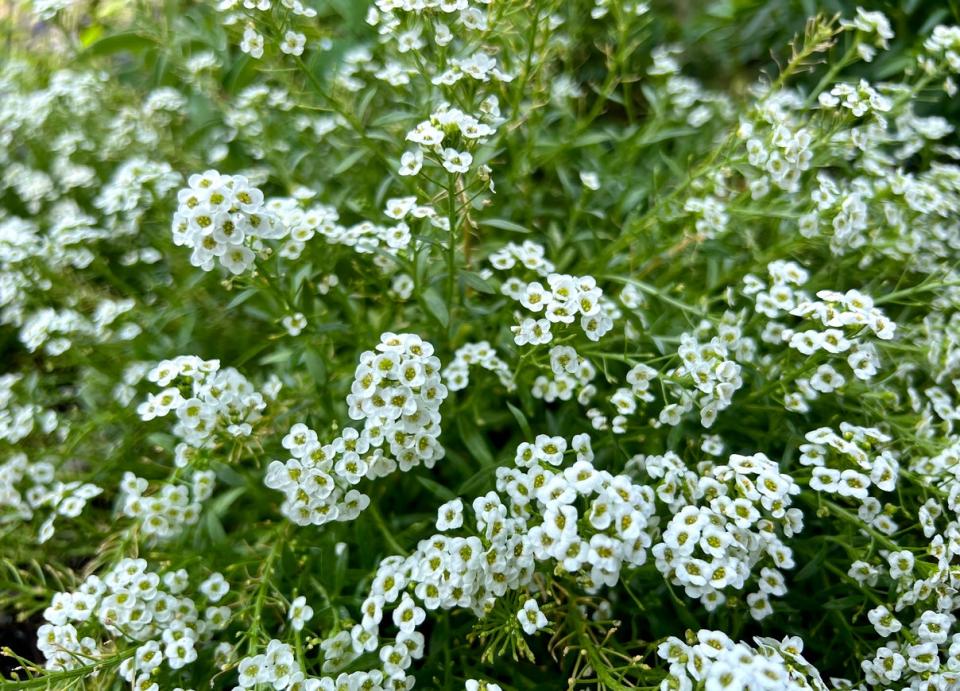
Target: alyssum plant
(473, 344)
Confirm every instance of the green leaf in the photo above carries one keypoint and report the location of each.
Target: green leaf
(327, 327)
(240, 74)
(353, 12)
(521, 421)
(477, 481)
(591, 138)
(436, 307)
(242, 297)
(504, 224)
(300, 276)
(391, 119)
(348, 163)
(220, 505)
(436, 489)
(811, 567)
(214, 527)
(130, 41)
(473, 440)
(477, 283)
(843, 602)
(316, 366)
(161, 439)
(251, 352)
(341, 554)
(90, 35)
(664, 135)
(279, 355)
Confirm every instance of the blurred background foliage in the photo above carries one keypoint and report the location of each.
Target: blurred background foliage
(727, 45)
(727, 42)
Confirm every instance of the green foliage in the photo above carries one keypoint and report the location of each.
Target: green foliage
(628, 147)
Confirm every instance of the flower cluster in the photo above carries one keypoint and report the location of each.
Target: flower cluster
(404, 23)
(849, 463)
(944, 47)
(57, 330)
(255, 12)
(725, 522)
(302, 223)
(589, 523)
(62, 499)
(529, 255)
(859, 99)
(18, 415)
(844, 310)
(781, 295)
(456, 375)
(915, 585)
(734, 315)
(396, 393)
(711, 660)
(569, 372)
(132, 189)
(686, 100)
(318, 480)
(208, 402)
(625, 399)
(276, 666)
(446, 126)
(870, 24)
(131, 601)
(166, 513)
(562, 301)
(780, 148)
(715, 377)
(222, 217)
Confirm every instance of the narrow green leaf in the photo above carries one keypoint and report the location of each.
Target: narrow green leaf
(477, 283)
(436, 489)
(241, 298)
(474, 441)
(436, 306)
(348, 163)
(130, 41)
(521, 421)
(503, 224)
(316, 366)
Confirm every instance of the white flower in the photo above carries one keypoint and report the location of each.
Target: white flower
(299, 613)
(407, 616)
(450, 515)
(901, 564)
(180, 652)
(293, 43)
(252, 43)
(478, 685)
(215, 587)
(294, 323)
(411, 162)
(759, 604)
(456, 161)
(426, 135)
(590, 180)
(531, 618)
